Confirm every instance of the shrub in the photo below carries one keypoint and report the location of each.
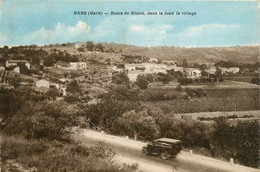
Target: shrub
(185, 81)
(60, 156)
(179, 88)
(240, 142)
(42, 120)
(255, 81)
(120, 78)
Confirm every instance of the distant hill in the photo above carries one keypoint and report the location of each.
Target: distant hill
(207, 55)
(201, 55)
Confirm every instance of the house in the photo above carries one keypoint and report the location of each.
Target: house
(211, 70)
(78, 44)
(78, 65)
(43, 83)
(233, 70)
(193, 73)
(10, 63)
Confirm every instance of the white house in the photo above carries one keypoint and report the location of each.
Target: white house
(193, 73)
(43, 83)
(233, 70)
(78, 65)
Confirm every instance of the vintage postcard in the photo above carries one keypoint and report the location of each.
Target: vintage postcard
(129, 86)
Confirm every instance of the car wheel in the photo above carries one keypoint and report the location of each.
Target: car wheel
(165, 155)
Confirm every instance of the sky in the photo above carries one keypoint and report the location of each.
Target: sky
(216, 23)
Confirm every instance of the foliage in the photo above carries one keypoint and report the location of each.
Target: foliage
(165, 78)
(105, 113)
(120, 78)
(218, 73)
(195, 93)
(240, 141)
(48, 61)
(53, 93)
(73, 87)
(48, 119)
(90, 46)
(255, 81)
(138, 124)
(185, 81)
(100, 47)
(179, 88)
(120, 92)
(59, 156)
(143, 81)
(80, 49)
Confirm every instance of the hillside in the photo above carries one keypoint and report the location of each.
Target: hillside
(241, 54)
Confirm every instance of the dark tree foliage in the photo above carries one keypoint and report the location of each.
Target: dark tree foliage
(185, 81)
(100, 47)
(41, 120)
(90, 46)
(255, 81)
(48, 61)
(73, 87)
(143, 81)
(240, 141)
(120, 78)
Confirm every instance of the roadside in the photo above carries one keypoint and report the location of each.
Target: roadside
(129, 151)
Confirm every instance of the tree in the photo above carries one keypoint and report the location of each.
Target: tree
(143, 81)
(47, 119)
(90, 46)
(184, 63)
(48, 61)
(218, 73)
(100, 47)
(53, 93)
(139, 124)
(240, 141)
(73, 87)
(80, 49)
(120, 78)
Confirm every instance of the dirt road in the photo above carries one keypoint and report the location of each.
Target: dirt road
(129, 151)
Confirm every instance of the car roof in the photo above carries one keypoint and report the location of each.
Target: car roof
(168, 140)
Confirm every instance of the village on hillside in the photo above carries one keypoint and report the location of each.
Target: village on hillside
(52, 67)
(54, 90)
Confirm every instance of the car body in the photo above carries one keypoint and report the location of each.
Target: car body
(164, 147)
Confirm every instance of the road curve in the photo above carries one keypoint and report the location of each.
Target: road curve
(129, 151)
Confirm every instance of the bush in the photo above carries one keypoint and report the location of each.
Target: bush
(185, 81)
(255, 81)
(47, 120)
(60, 156)
(195, 93)
(240, 142)
(120, 78)
(179, 88)
(144, 80)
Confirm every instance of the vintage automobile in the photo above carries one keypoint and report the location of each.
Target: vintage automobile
(165, 148)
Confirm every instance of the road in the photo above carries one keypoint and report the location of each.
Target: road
(129, 151)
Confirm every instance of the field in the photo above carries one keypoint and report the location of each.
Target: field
(214, 100)
(241, 78)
